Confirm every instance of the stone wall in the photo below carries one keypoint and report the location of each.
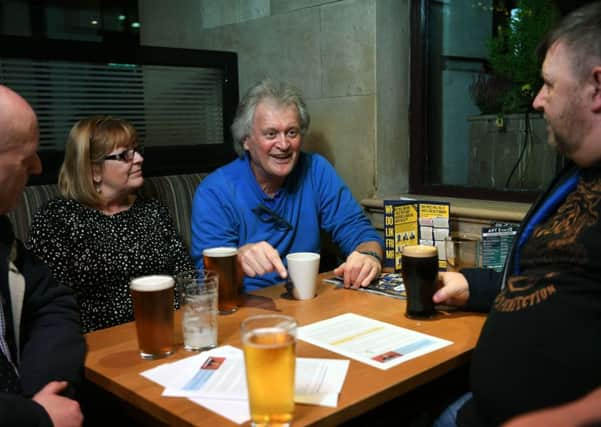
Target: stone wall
(350, 58)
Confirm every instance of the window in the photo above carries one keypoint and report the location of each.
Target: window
(181, 105)
(456, 150)
(180, 101)
(104, 21)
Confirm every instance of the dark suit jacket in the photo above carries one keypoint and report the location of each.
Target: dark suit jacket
(51, 346)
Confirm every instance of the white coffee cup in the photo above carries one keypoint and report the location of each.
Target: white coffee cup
(303, 268)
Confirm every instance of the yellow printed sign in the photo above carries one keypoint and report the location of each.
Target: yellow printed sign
(411, 223)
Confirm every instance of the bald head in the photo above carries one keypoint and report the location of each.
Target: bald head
(18, 147)
(17, 119)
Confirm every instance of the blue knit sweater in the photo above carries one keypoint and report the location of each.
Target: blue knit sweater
(230, 209)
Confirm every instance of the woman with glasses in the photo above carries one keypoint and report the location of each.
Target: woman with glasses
(99, 234)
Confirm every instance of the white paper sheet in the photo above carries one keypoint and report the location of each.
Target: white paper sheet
(370, 341)
(319, 381)
(236, 411)
(217, 376)
(216, 380)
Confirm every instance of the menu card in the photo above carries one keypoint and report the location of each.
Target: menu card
(370, 341)
(216, 379)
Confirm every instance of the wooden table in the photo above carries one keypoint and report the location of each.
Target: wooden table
(113, 362)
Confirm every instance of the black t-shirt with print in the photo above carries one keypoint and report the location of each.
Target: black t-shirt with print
(541, 344)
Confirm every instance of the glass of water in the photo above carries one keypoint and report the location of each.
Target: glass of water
(198, 295)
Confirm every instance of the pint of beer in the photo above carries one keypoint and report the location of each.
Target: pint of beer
(224, 261)
(420, 272)
(269, 355)
(153, 311)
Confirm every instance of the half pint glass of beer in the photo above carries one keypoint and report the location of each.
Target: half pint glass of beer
(420, 272)
(462, 252)
(224, 261)
(269, 355)
(153, 311)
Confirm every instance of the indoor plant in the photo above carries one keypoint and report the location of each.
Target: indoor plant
(515, 68)
(507, 139)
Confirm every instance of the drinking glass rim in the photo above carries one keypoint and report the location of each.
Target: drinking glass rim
(196, 272)
(290, 324)
(462, 237)
(220, 251)
(139, 282)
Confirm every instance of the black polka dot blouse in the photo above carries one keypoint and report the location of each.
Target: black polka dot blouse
(97, 254)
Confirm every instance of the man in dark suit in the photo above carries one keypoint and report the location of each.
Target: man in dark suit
(41, 347)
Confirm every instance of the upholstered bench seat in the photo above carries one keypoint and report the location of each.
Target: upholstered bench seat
(175, 191)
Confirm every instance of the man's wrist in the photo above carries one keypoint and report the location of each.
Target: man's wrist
(372, 253)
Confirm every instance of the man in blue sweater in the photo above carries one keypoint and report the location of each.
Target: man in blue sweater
(275, 199)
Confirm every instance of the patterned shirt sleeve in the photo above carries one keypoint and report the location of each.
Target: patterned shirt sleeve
(48, 241)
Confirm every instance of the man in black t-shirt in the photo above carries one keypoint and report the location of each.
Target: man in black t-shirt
(537, 359)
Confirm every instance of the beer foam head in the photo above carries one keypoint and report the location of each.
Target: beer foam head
(151, 283)
(420, 251)
(220, 252)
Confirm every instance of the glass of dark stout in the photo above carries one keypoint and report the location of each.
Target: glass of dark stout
(420, 272)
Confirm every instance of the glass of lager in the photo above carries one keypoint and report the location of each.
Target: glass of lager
(224, 262)
(153, 311)
(419, 265)
(269, 354)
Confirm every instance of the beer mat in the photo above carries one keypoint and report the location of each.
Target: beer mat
(388, 284)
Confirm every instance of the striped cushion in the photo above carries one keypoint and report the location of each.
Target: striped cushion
(31, 200)
(174, 191)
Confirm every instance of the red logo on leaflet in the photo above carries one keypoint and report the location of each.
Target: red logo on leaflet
(385, 357)
(213, 363)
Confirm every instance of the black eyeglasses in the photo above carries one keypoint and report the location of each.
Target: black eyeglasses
(268, 216)
(126, 155)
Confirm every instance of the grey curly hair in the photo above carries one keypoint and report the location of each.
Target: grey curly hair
(282, 93)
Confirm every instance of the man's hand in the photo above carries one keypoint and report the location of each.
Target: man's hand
(63, 412)
(454, 290)
(358, 270)
(257, 259)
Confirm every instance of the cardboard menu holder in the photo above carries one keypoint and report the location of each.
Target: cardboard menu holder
(413, 222)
